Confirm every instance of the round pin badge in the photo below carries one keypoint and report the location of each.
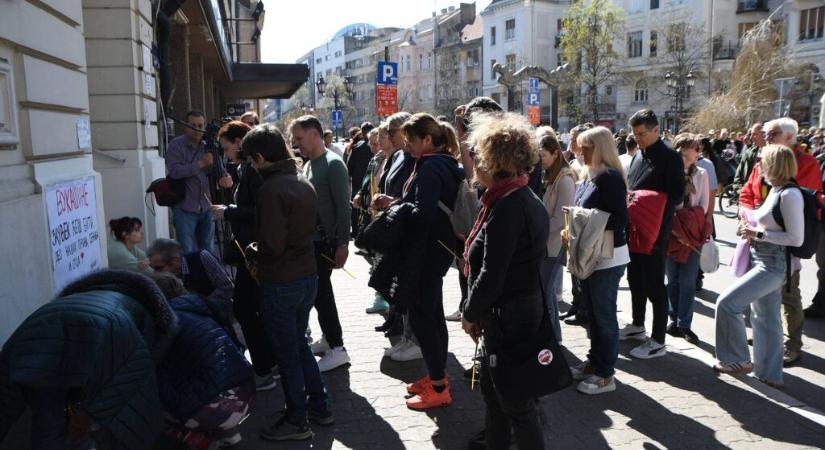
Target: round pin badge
(545, 357)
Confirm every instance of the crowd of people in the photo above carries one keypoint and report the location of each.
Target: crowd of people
(508, 204)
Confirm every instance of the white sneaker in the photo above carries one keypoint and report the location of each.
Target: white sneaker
(596, 385)
(409, 353)
(333, 359)
(319, 347)
(400, 345)
(582, 371)
(454, 317)
(631, 331)
(650, 349)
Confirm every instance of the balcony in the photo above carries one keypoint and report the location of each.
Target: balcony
(744, 6)
(725, 52)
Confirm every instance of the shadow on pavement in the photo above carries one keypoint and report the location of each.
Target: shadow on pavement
(748, 409)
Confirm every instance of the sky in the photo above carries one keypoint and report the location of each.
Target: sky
(294, 27)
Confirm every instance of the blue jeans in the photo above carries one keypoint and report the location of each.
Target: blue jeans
(761, 289)
(601, 290)
(681, 288)
(552, 274)
(193, 228)
(285, 314)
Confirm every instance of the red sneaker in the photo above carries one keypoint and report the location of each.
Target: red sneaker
(423, 384)
(429, 398)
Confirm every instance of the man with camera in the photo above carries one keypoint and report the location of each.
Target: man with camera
(187, 159)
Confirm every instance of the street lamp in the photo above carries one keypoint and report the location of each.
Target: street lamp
(679, 86)
(335, 91)
(305, 108)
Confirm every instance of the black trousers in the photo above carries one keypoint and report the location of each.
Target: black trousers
(579, 306)
(503, 413)
(646, 276)
(428, 325)
(246, 310)
(325, 300)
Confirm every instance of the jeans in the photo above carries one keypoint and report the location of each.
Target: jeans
(194, 231)
(552, 275)
(759, 288)
(426, 318)
(246, 308)
(503, 413)
(601, 291)
(285, 313)
(681, 289)
(646, 277)
(325, 301)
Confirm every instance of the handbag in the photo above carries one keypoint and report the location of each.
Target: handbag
(740, 263)
(168, 191)
(709, 260)
(532, 368)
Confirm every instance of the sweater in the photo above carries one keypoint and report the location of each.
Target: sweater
(659, 169)
(328, 175)
(120, 257)
(792, 207)
(607, 192)
(559, 194)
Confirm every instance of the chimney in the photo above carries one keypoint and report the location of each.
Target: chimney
(451, 9)
(443, 10)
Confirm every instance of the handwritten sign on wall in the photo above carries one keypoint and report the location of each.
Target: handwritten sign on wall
(73, 229)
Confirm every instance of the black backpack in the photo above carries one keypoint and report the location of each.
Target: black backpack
(812, 217)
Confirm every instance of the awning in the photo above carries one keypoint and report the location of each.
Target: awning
(259, 80)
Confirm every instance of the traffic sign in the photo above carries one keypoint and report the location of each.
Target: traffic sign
(387, 73)
(534, 84)
(386, 89)
(533, 93)
(337, 118)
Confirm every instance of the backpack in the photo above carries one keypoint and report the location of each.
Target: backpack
(812, 217)
(464, 212)
(168, 191)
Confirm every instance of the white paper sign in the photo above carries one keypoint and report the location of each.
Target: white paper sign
(84, 135)
(73, 231)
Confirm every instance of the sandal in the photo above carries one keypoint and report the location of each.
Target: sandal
(735, 367)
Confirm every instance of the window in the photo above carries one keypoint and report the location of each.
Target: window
(654, 42)
(408, 63)
(743, 29)
(811, 23)
(511, 61)
(338, 54)
(327, 58)
(492, 35)
(430, 60)
(676, 37)
(492, 72)
(654, 4)
(472, 58)
(635, 6)
(420, 61)
(640, 93)
(510, 29)
(319, 60)
(634, 44)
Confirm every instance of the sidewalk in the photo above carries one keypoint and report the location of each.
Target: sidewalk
(671, 402)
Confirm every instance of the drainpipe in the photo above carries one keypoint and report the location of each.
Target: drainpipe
(710, 65)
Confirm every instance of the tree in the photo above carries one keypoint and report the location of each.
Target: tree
(589, 30)
(752, 97)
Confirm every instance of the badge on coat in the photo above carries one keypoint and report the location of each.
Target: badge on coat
(545, 357)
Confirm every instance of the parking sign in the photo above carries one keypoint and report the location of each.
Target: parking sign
(337, 117)
(386, 89)
(387, 73)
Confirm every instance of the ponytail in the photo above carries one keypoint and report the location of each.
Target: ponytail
(449, 138)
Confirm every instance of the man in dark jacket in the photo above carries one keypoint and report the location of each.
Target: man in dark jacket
(284, 265)
(656, 168)
(749, 156)
(89, 357)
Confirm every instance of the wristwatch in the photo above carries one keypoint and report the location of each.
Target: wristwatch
(760, 235)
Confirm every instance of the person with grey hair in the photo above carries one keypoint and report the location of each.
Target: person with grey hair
(200, 271)
(783, 131)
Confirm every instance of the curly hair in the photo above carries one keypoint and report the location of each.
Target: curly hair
(505, 144)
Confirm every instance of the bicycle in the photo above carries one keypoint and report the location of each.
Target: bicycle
(729, 201)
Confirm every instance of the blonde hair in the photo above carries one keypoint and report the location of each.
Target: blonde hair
(505, 144)
(687, 140)
(395, 121)
(605, 155)
(442, 133)
(778, 162)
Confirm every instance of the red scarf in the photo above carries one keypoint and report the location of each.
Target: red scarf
(499, 189)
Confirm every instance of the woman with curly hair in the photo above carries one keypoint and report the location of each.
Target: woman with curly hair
(504, 254)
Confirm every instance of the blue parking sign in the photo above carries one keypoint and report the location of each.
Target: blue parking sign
(533, 93)
(387, 73)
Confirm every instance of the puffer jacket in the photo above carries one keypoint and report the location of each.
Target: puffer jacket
(690, 229)
(98, 341)
(202, 362)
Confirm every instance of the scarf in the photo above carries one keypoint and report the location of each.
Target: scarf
(690, 188)
(495, 192)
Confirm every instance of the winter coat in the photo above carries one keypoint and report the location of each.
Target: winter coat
(241, 214)
(202, 362)
(98, 341)
(385, 234)
(754, 191)
(589, 243)
(561, 193)
(396, 273)
(690, 230)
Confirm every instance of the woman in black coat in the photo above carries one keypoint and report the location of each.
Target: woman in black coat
(241, 217)
(504, 253)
